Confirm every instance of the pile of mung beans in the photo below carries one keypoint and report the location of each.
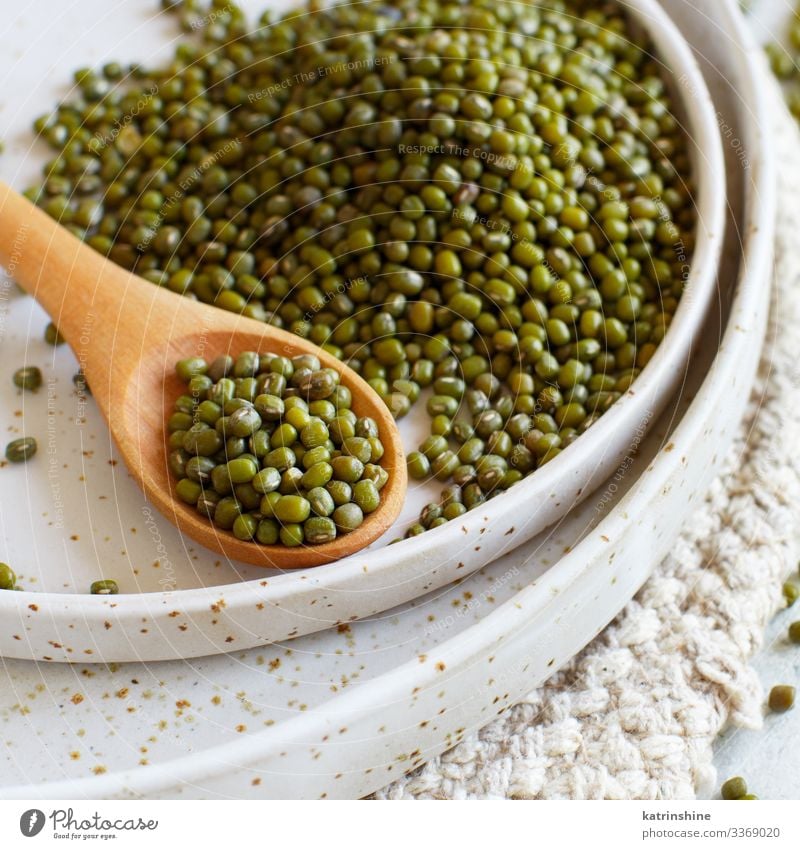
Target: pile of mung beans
(483, 205)
(268, 447)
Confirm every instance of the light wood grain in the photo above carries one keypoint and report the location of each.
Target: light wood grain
(128, 334)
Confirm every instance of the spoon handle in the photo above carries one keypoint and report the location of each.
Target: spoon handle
(69, 279)
(103, 311)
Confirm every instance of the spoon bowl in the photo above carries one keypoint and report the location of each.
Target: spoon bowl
(128, 335)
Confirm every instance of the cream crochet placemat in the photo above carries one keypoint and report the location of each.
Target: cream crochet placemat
(634, 716)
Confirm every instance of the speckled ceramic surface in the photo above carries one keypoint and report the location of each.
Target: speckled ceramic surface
(71, 515)
(340, 713)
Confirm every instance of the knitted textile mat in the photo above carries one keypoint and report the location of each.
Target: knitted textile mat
(635, 714)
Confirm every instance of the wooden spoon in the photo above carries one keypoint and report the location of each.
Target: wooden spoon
(128, 334)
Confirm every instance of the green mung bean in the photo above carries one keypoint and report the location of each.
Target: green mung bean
(21, 450)
(105, 587)
(52, 335)
(348, 517)
(81, 384)
(28, 377)
(781, 698)
(734, 788)
(8, 579)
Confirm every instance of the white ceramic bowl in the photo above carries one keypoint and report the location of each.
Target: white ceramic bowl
(342, 713)
(226, 612)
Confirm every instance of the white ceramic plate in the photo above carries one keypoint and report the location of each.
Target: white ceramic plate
(342, 712)
(72, 515)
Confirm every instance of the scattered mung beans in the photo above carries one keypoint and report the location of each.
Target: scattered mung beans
(780, 699)
(266, 447)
